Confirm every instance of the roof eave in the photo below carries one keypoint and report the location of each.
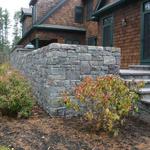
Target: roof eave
(47, 28)
(52, 28)
(109, 7)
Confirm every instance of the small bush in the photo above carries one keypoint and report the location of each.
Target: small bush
(4, 148)
(105, 102)
(15, 93)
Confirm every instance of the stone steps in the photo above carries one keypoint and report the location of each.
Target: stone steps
(139, 73)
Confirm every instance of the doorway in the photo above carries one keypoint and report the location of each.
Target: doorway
(146, 32)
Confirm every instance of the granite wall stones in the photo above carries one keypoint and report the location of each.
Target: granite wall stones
(59, 67)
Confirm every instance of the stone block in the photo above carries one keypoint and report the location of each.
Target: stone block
(84, 56)
(108, 60)
(85, 67)
(72, 75)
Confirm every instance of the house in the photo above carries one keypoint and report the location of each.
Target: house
(117, 23)
(125, 24)
(62, 21)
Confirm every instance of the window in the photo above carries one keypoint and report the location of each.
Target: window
(147, 6)
(92, 41)
(79, 14)
(76, 42)
(89, 9)
(68, 42)
(108, 31)
(72, 42)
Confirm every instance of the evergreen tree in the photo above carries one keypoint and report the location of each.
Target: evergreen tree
(17, 31)
(4, 27)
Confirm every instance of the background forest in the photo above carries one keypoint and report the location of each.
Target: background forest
(6, 44)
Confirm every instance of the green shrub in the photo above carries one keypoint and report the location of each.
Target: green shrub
(106, 102)
(4, 148)
(15, 93)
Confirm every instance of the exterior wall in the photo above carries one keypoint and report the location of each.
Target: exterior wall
(61, 36)
(27, 23)
(91, 27)
(43, 6)
(126, 37)
(65, 15)
(59, 67)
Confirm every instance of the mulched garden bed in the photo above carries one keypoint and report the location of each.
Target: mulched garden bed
(41, 132)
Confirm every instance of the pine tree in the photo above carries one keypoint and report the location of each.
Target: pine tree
(17, 31)
(4, 27)
(1, 29)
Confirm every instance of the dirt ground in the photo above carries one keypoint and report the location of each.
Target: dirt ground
(41, 132)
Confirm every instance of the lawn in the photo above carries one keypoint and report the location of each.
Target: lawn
(41, 132)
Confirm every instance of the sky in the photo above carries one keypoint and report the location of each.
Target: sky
(13, 6)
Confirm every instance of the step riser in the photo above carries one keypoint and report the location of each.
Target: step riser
(139, 67)
(139, 73)
(147, 85)
(145, 101)
(145, 98)
(135, 76)
(145, 95)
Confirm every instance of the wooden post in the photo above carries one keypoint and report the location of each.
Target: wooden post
(37, 43)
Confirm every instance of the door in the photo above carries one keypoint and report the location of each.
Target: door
(146, 32)
(108, 31)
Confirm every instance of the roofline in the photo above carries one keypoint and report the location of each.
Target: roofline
(108, 7)
(52, 28)
(60, 27)
(98, 4)
(51, 11)
(32, 2)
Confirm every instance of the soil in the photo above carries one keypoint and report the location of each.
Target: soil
(42, 132)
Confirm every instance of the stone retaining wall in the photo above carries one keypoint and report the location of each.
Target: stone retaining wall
(59, 67)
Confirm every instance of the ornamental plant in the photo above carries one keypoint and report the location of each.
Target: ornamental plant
(15, 93)
(105, 102)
